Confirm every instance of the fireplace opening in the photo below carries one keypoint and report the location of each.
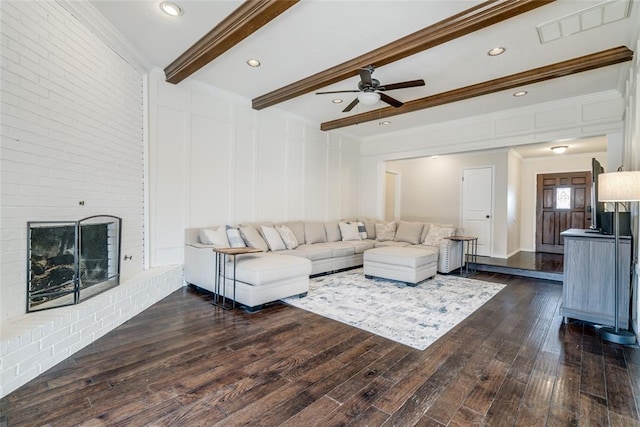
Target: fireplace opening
(70, 261)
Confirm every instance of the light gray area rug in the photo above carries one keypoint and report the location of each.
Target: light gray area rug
(415, 316)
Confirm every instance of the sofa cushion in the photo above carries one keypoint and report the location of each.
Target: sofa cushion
(314, 232)
(385, 231)
(341, 249)
(360, 246)
(214, 236)
(370, 228)
(273, 238)
(252, 238)
(287, 236)
(260, 269)
(425, 231)
(387, 243)
(315, 251)
(409, 232)
(349, 231)
(235, 239)
(436, 234)
(333, 231)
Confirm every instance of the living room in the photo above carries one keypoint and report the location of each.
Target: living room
(89, 129)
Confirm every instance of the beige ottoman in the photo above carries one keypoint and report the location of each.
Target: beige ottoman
(410, 265)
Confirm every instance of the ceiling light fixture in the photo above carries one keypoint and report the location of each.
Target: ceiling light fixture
(434, 157)
(496, 51)
(519, 94)
(559, 149)
(253, 63)
(368, 98)
(171, 9)
(384, 123)
(337, 101)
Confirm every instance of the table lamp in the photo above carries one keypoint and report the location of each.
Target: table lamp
(618, 187)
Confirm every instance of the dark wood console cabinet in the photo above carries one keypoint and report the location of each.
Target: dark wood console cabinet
(588, 285)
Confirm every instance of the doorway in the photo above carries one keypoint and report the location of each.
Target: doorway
(477, 206)
(563, 201)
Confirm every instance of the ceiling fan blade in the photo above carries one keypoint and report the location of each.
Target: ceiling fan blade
(365, 76)
(411, 83)
(350, 106)
(337, 91)
(391, 101)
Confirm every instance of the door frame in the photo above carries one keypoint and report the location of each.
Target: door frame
(396, 202)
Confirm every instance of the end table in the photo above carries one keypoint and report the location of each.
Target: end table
(222, 255)
(471, 254)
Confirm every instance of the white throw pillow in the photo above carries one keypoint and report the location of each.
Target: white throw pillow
(273, 238)
(437, 234)
(385, 231)
(252, 238)
(216, 237)
(349, 231)
(288, 237)
(235, 239)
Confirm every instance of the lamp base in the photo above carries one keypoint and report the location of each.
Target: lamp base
(618, 337)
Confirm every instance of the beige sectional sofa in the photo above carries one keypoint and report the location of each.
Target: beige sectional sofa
(327, 246)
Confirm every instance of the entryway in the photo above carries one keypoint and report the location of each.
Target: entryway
(563, 201)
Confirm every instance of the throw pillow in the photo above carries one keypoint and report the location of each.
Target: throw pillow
(349, 231)
(437, 234)
(385, 231)
(409, 232)
(288, 238)
(235, 239)
(362, 230)
(273, 238)
(216, 237)
(370, 227)
(252, 238)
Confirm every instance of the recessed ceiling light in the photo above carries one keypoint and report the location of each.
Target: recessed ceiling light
(434, 157)
(171, 9)
(253, 63)
(559, 149)
(521, 93)
(337, 101)
(496, 51)
(384, 123)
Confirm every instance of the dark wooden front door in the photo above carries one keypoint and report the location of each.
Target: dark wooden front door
(563, 202)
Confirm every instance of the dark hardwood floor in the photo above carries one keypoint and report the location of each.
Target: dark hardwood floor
(184, 362)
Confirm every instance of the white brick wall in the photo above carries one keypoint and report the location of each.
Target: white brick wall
(72, 130)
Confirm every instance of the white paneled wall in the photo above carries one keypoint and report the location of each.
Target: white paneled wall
(215, 161)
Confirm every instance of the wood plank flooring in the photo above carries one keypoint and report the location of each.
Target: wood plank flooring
(184, 362)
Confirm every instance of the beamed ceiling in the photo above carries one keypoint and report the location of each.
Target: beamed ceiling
(554, 50)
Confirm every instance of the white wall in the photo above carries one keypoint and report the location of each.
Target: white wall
(72, 131)
(216, 161)
(431, 189)
(531, 168)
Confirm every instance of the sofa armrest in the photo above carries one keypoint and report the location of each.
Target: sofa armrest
(200, 265)
(450, 253)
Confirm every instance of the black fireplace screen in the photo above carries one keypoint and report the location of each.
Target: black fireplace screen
(70, 261)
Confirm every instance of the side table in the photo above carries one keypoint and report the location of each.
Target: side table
(471, 254)
(222, 255)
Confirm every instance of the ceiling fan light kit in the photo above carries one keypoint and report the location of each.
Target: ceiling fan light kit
(369, 98)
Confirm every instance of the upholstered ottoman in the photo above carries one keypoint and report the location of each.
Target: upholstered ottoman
(266, 277)
(410, 265)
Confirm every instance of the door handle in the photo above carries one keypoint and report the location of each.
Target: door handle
(487, 217)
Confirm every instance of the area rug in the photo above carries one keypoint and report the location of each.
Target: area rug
(415, 316)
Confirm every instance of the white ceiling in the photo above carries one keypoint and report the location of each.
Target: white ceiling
(315, 35)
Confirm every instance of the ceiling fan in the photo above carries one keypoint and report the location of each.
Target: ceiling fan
(370, 90)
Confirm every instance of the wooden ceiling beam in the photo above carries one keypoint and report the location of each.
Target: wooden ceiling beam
(560, 69)
(466, 22)
(248, 18)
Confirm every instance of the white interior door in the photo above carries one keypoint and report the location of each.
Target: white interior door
(477, 206)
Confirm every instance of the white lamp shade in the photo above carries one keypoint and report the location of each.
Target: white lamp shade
(619, 187)
(369, 98)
